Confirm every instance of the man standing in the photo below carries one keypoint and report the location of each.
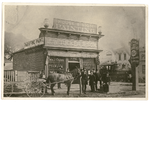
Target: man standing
(106, 81)
(94, 73)
(84, 80)
(92, 81)
(97, 76)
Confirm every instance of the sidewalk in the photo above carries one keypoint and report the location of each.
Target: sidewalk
(126, 83)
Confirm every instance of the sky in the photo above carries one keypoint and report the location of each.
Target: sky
(118, 24)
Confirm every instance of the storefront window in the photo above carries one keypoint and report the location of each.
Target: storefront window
(55, 63)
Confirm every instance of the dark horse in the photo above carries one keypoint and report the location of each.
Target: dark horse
(66, 78)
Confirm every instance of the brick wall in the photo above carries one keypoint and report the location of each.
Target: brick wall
(29, 60)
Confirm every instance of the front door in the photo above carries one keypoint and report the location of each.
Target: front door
(72, 66)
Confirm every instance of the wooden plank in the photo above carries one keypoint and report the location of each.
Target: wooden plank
(16, 77)
(11, 76)
(6, 76)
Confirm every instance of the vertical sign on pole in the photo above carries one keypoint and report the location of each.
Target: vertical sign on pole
(134, 46)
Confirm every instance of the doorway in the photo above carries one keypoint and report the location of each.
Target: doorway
(72, 66)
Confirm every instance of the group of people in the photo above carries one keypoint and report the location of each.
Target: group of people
(93, 77)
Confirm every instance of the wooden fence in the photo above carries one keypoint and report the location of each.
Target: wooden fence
(9, 76)
(14, 76)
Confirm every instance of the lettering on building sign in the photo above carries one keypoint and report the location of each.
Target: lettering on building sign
(72, 54)
(34, 43)
(70, 43)
(74, 26)
(55, 63)
(73, 59)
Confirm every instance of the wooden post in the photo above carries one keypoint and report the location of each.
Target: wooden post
(66, 65)
(135, 85)
(16, 75)
(80, 86)
(137, 78)
(134, 46)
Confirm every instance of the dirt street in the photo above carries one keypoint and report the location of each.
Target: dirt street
(116, 89)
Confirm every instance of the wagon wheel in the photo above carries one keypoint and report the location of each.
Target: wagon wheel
(35, 89)
(8, 90)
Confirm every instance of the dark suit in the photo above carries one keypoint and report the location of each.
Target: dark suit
(106, 81)
(84, 80)
(98, 78)
(92, 82)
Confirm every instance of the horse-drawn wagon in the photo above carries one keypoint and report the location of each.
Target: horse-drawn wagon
(30, 84)
(34, 86)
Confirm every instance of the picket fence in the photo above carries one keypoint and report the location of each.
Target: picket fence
(14, 76)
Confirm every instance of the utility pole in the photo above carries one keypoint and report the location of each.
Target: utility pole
(134, 46)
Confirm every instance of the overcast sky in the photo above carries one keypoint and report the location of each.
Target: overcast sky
(119, 24)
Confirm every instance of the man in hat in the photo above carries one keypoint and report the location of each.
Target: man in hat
(84, 80)
(98, 78)
(94, 73)
(106, 82)
(92, 81)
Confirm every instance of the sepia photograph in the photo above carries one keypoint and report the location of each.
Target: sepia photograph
(74, 75)
(74, 51)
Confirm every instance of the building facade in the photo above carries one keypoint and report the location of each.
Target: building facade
(66, 45)
(122, 59)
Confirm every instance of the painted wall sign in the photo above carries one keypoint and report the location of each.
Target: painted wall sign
(72, 54)
(74, 26)
(54, 63)
(70, 43)
(34, 43)
(73, 59)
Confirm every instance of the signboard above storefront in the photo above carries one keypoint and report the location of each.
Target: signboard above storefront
(72, 54)
(67, 25)
(134, 51)
(70, 43)
(34, 43)
(73, 59)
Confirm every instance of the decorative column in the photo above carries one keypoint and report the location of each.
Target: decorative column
(66, 65)
(81, 62)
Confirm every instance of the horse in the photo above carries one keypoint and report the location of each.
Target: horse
(66, 78)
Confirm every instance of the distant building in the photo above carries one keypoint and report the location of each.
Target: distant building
(122, 57)
(107, 57)
(117, 63)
